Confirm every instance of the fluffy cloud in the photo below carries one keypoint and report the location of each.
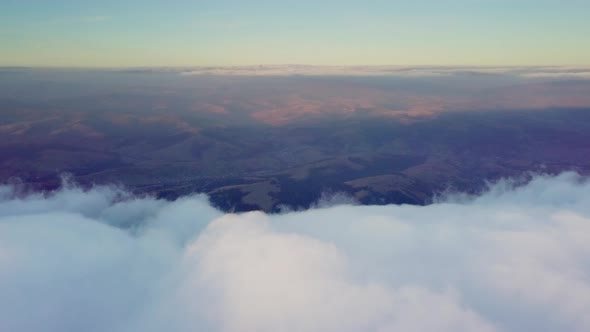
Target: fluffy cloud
(513, 259)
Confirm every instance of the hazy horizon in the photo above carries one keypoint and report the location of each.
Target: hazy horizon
(392, 65)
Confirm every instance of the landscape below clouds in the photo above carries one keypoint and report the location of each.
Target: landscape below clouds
(516, 258)
(275, 137)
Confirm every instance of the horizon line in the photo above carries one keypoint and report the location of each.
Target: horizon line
(262, 65)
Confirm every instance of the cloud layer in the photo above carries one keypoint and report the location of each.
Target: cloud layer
(529, 72)
(513, 259)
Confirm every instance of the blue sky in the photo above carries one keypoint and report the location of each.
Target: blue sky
(230, 32)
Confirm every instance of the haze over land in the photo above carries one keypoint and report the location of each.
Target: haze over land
(289, 134)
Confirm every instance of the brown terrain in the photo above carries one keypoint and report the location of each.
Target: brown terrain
(274, 142)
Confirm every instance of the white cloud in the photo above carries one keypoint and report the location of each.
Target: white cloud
(514, 259)
(525, 72)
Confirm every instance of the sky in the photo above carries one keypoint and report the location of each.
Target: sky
(132, 33)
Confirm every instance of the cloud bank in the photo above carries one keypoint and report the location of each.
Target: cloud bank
(527, 72)
(512, 259)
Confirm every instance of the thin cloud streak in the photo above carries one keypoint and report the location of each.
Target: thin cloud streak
(532, 72)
